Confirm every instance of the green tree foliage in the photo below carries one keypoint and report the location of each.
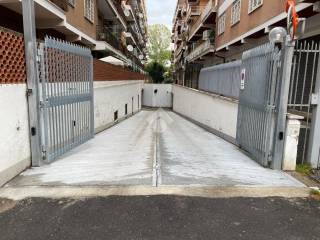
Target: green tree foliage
(159, 44)
(156, 72)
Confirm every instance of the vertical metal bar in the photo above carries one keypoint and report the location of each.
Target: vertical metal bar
(32, 80)
(55, 95)
(314, 139)
(50, 56)
(282, 103)
(92, 98)
(298, 75)
(63, 75)
(304, 156)
(82, 104)
(67, 105)
(305, 76)
(59, 97)
(292, 78)
(45, 128)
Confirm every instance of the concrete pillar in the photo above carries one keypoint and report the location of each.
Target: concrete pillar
(29, 30)
(291, 142)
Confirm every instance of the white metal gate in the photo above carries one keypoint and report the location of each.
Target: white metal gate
(257, 100)
(66, 97)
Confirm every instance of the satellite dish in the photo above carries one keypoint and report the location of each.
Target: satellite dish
(130, 48)
(126, 12)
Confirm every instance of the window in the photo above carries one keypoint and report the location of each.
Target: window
(254, 4)
(235, 12)
(89, 10)
(126, 109)
(72, 2)
(221, 24)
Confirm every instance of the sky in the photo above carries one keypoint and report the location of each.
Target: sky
(161, 12)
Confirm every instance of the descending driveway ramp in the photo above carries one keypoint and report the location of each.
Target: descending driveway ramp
(155, 148)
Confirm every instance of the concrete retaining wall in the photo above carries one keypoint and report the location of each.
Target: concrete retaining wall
(109, 96)
(157, 95)
(215, 113)
(112, 96)
(14, 131)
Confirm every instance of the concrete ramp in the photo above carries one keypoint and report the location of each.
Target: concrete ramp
(155, 148)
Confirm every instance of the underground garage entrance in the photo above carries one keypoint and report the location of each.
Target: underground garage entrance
(155, 148)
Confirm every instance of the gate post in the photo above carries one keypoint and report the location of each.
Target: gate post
(314, 139)
(282, 102)
(32, 79)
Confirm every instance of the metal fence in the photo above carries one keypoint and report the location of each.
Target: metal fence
(66, 97)
(303, 80)
(222, 79)
(257, 99)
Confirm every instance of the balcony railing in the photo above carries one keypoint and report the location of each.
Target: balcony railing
(193, 11)
(104, 34)
(63, 4)
(179, 49)
(211, 6)
(117, 5)
(201, 50)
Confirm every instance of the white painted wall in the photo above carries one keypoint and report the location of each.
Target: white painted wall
(210, 110)
(111, 96)
(162, 97)
(14, 131)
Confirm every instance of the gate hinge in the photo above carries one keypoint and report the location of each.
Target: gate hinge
(44, 152)
(29, 92)
(315, 99)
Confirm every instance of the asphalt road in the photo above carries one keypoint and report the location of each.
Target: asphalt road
(160, 217)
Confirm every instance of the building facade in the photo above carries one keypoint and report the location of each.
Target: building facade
(108, 27)
(207, 32)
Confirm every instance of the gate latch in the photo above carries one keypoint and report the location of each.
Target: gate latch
(29, 92)
(315, 99)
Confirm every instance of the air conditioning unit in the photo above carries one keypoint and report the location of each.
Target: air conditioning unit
(206, 34)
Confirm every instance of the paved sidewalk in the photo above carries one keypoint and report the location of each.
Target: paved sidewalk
(160, 218)
(155, 148)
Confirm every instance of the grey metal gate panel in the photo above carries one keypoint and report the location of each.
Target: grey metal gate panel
(66, 97)
(303, 86)
(223, 79)
(256, 114)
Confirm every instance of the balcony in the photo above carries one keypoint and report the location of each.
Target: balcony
(117, 6)
(209, 9)
(179, 49)
(104, 34)
(63, 4)
(192, 12)
(201, 50)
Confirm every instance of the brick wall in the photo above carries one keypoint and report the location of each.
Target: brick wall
(12, 58)
(13, 70)
(108, 72)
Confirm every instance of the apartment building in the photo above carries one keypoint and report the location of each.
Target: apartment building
(207, 33)
(193, 38)
(108, 27)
